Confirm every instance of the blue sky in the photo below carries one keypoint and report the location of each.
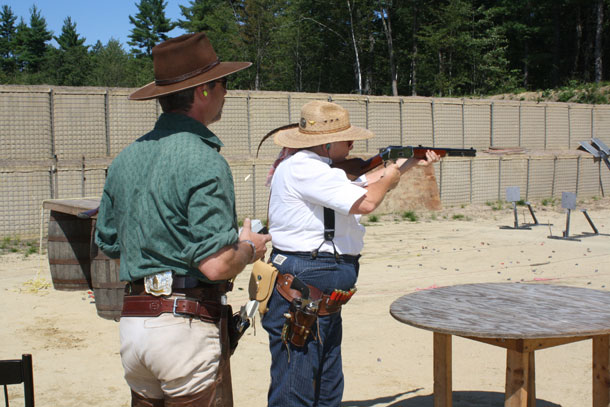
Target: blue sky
(95, 19)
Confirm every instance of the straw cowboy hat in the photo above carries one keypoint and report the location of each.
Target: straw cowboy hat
(321, 123)
(185, 62)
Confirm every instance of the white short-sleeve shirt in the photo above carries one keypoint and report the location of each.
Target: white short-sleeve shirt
(302, 186)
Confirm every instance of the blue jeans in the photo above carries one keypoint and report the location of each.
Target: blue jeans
(311, 375)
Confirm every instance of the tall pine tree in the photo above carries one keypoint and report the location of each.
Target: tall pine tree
(150, 26)
(31, 42)
(70, 64)
(7, 40)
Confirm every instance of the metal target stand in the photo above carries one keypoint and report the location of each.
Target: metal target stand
(513, 194)
(597, 149)
(568, 202)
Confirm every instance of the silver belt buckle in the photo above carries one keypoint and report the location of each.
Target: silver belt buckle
(159, 284)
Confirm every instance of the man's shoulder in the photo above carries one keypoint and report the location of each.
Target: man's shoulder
(308, 161)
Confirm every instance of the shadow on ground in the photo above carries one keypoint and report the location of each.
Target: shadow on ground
(460, 399)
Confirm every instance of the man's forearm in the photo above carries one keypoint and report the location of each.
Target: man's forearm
(372, 199)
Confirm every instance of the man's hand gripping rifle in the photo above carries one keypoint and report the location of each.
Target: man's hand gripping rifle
(355, 167)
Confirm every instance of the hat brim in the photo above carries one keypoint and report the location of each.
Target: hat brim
(152, 90)
(293, 137)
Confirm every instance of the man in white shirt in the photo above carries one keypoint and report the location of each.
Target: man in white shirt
(318, 247)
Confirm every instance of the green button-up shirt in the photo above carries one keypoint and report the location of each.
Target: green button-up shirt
(168, 201)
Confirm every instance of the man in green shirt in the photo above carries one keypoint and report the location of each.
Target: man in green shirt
(168, 213)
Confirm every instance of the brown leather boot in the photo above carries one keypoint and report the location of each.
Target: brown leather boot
(141, 401)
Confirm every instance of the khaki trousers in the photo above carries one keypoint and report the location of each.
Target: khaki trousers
(176, 361)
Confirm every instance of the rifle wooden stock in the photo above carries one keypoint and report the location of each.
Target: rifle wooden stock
(355, 167)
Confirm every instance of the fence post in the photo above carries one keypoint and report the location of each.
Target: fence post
(55, 191)
(82, 178)
(54, 180)
(527, 181)
(51, 184)
(52, 121)
(289, 109)
(107, 122)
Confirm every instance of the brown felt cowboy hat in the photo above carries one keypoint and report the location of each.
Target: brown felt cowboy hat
(321, 122)
(185, 62)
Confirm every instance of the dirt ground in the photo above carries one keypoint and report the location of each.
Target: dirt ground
(386, 363)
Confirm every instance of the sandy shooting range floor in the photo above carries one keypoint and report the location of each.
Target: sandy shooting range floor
(386, 363)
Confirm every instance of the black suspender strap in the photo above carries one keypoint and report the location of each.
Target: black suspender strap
(329, 224)
(329, 232)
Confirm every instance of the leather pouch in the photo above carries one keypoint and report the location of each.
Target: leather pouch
(262, 282)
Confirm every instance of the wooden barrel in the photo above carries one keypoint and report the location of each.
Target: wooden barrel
(68, 250)
(107, 287)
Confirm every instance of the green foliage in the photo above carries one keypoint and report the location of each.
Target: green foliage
(496, 206)
(31, 42)
(8, 30)
(69, 65)
(69, 38)
(458, 216)
(592, 94)
(410, 215)
(17, 245)
(373, 218)
(445, 47)
(549, 201)
(150, 26)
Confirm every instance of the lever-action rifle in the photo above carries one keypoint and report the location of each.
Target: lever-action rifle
(355, 167)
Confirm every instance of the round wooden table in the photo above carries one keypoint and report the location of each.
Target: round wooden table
(521, 318)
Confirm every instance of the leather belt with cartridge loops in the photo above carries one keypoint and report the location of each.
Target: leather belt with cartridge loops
(329, 304)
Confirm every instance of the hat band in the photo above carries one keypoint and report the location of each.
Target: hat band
(301, 130)
(163, 82)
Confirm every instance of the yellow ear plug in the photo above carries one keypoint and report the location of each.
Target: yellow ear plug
(205, 93)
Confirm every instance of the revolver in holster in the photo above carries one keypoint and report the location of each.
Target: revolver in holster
(299, 320)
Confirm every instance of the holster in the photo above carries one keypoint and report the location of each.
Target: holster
(262, 281)
(236, 328)
(299, 321)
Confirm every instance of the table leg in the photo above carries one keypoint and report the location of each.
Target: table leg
(601, 376)
(531, 381)
(442, 370)
(517, 381)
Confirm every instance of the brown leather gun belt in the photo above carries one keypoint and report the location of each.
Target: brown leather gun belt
(151, 306)
(327, 306)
